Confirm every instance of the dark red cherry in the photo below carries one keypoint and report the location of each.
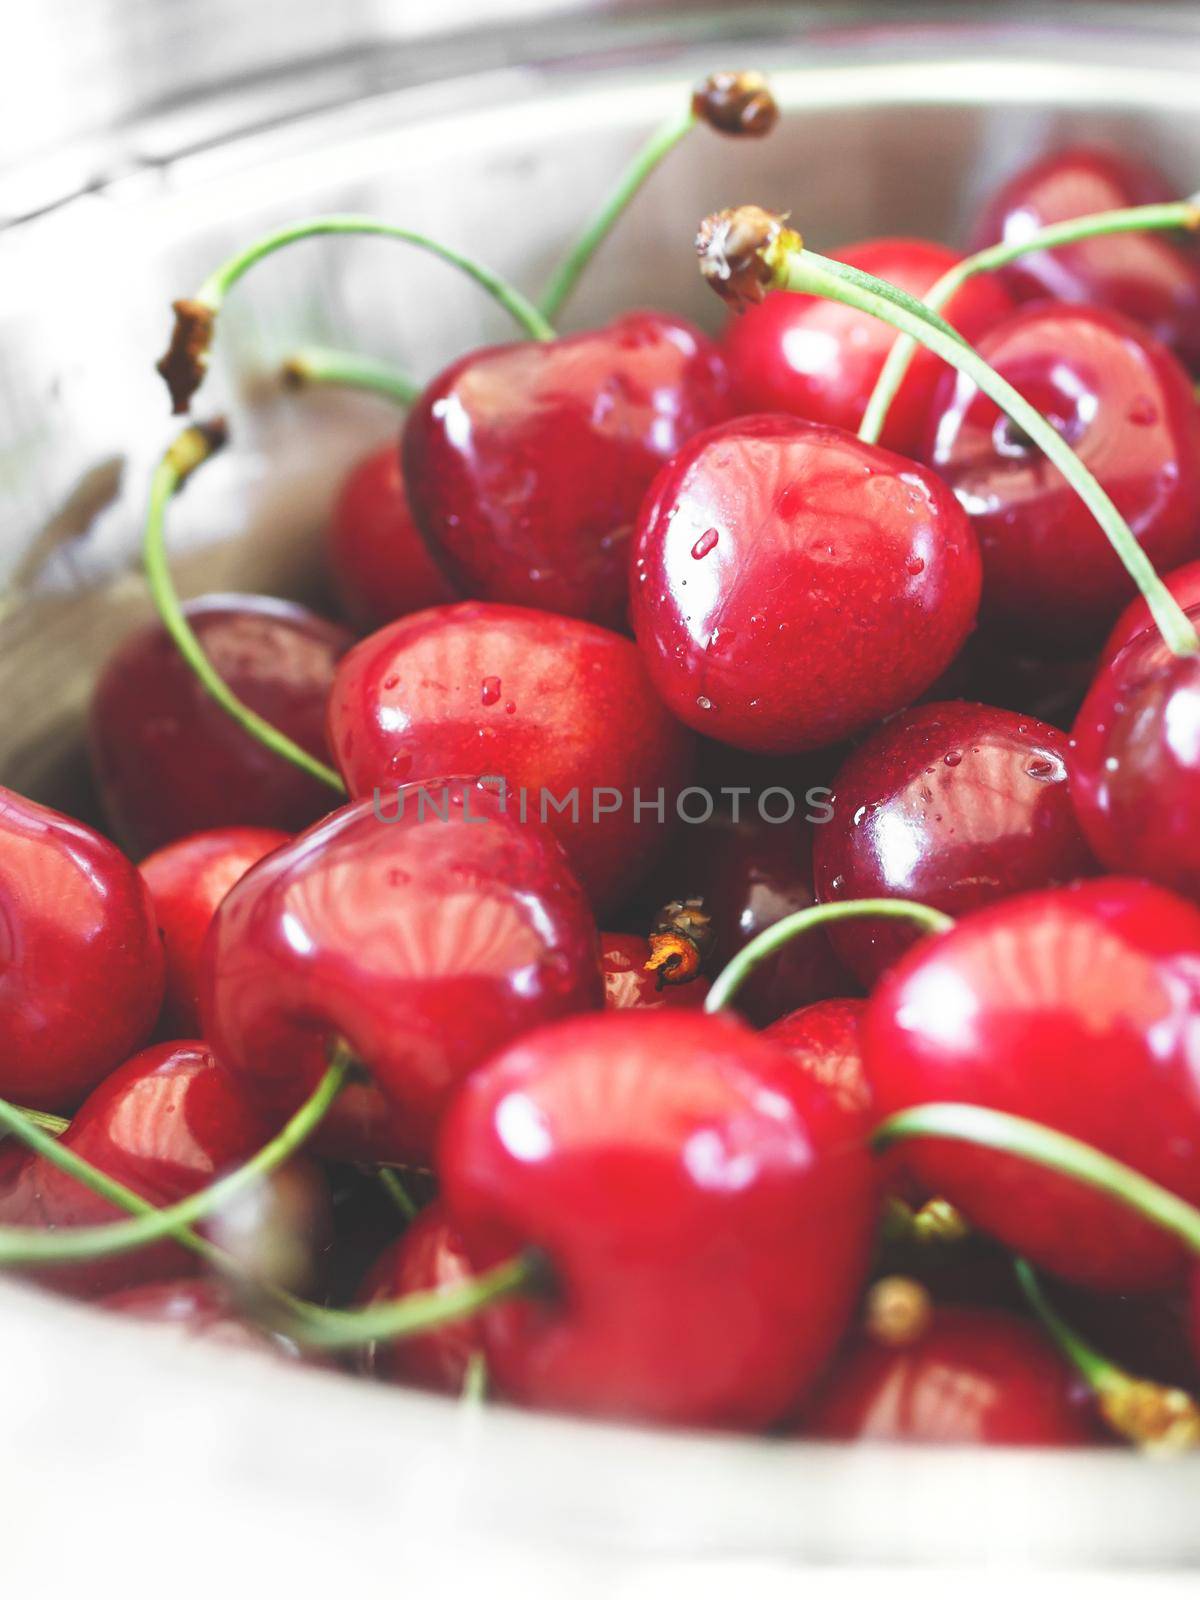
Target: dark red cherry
(1135, 763)
(820, 359)
(1077, 1008)
(559, 709)
(526, 463)
(429, 1255)
(1184, 584)
(81, 964)
(1152, 277)
(706, 1222)
(955, 805)
(974, 1377)
(377, 559)
(170, 762)
(629, 987)
(201, 1308)
(1146, 1334)
(187, 881)
(1126, 407)
(427, 936)
(793, 585)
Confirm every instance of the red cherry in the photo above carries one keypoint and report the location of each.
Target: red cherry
(820, 359)
(1183, 583)
(1135, 763)
(526, 463)
(975, 1377)
(554, 706)
(1154, 278)
(955, 805)
(187, 881)
(794, 585)
(1076, 1008)
(377, 558)
(427, 941)
(824, 1040)
(170, 762)
(430, 1255)
(202, 1308)
(629, 987)
(81, 965)
(706, 1221)
(1126, 407)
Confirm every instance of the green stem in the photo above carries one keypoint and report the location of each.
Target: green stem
(392, 1185)
(660, 144)
(189, 451)
(1134, 219)
(42, 1120)
(35, 1246)
(808, 273)
(1096, 1370)
(731, 978)
(1046, 1147)
(316, 365)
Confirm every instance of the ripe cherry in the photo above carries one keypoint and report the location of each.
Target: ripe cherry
(974, 1377)
(559, 709)
(378, 561)
(705, 1221)
(187, 881)
(1126, 407)
(955, 805)
(426, 941)
(1148, 276)
(81, 965)
(819, 359)
(825, 1042)
(1184, 584)
(793, 585)
(170, 762)
(526, 463)
(429, 1255)
(629, 987)
(1076, 1008)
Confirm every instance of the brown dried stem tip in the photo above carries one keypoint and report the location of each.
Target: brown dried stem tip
(736, 103)
(681, 941)
(182, 368)
(1160, 1420)
(897, 1312)
(741, 251)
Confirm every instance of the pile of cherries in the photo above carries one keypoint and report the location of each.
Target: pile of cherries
(682, 699)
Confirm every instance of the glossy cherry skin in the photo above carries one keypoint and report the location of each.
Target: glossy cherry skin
(975, 1377)
(427, 942)
(187, 881)
(1184, 584)
(1076, 1008)
(379, 563)
(825, 1042)
(1126, 407)
(704, 1217)
(81, 965)
(819, 359)
(629, 987)
(793, 585)
(429, 1255)
(201, 1308)
(526, 463)
(551, 705)
(952, 804)
(1152, 277)
(1135, 763)
(170, 762)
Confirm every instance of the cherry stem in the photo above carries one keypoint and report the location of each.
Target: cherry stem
(34, 1246)
(793, 267)
(771, 939)
(1179, 214)
(189, 451)
(1046, 1147)
(393, 1186)
(317, 365)
(45, 1121)
(475, 1380)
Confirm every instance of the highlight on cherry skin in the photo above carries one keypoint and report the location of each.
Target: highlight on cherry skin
(680, 899)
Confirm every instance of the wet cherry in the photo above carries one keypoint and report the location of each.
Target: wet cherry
(819, 359)
(705, 1221)
(168, 759)
(629, 987)
(1126, 407)
(1076, 1008)
(81, 964)
(526, 463)
(793, 585)
(955, 805)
